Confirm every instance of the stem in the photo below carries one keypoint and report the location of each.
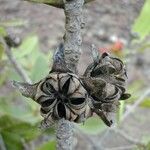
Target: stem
(137, 102)
(72, 52)
(72, 37)
(14, 63)
(64, 135)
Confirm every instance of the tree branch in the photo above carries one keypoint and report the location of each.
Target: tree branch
(127, 136)
(72, 46)
(122, 147)
(72, 37)
(137, 102)
(55, 3)
(15, 64)
(64, 135)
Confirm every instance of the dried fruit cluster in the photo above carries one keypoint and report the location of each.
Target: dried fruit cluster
(63, 94)
(105, 81)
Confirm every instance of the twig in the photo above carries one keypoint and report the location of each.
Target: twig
(2, 145)
(132, 108)
(124, 135)
(15, 64)
(64, 135)
(122, 147)
(127, 113)
(94, 144)
(127, 137)
(117, 131)
(72, 46)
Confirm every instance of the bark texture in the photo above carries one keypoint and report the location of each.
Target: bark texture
(72, 37)
(72, 45)
(64, 135)
(55, 3)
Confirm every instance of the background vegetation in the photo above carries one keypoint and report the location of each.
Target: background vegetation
(19, 117)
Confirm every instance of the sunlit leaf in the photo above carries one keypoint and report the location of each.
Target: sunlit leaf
(146, 103)
(133, 88)
(27, 46)
(144, 46)
(142, 24)
(51, 145)
(121, 109)
(2, 31)
(17, 127)
(93, 125)
(146, 139)
(1, 50)
(13, 23)
(40, 69)
(3, 77)
(13, 75)
(23, 113)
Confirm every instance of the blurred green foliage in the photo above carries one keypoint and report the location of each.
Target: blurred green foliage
(12, 23)
(142, 27)
(92, 125)
(47, 145)
(19, 116)
(142, 23)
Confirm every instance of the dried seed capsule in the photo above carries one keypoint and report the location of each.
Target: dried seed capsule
(105, 81)
(61, 95)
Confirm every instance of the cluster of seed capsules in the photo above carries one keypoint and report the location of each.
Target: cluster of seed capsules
(63, 94)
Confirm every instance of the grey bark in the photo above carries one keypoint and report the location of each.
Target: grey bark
(72, 45)
(64, 135)
(72, 37)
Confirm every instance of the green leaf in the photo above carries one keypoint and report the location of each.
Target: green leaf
(51, 145)
(29, 44)
(12, 141)
(93, 125)
(13, 23)
(23, 112)
(40, 69)
(148, 146)
(13, 74)
(144, 46)
(1, 50)
(19, 128)
(121, 109)
(142, 23)
(146, 139)
(2, 32)
(146, 103)
(3, 77)
(133, 88)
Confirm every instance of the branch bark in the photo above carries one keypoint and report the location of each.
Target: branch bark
(64, 135)
(55, 3)
(72, 37)
(72, 46)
